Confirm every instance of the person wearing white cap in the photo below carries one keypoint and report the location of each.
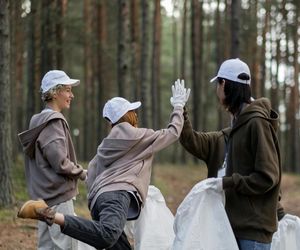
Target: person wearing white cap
(118, 175)
(51, 167)
(243, 160)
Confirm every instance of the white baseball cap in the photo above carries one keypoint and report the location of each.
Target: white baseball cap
(116, 107)
(56, 77)
(234, 70)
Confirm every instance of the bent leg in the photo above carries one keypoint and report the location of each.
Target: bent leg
(109, 217)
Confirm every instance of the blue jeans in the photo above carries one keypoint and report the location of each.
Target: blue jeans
(252, 245)
(105, 230)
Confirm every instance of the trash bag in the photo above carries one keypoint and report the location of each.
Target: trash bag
(201, 222)
(84, 246)
(154, 227)
(287, 236)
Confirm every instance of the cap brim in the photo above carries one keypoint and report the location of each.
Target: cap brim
(73, 82)
(135, 105)
(214, 79)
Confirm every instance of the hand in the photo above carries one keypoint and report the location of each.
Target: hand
(180, 94)
(215, 184)
(83, 175)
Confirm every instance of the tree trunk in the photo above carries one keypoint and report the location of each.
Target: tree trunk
(6, 195)
(123, 49)
(135, 50)
(183, 62)
(101, 71)
(294, 133)
(88, 81)
(235, 28)
(16, 73)
(155, 84)
(61, 7)
(32, 88)
(196, 57)
(263, 52)
(144, 64)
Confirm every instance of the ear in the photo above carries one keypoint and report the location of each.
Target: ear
(54, 96)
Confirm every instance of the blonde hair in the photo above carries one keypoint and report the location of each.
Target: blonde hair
(48, 96)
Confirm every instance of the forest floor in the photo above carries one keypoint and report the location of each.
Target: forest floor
(174, 183)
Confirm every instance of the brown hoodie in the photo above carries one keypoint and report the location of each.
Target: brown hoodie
(50, 163)
(253, 172)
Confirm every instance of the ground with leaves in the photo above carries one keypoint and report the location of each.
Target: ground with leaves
(174, 182)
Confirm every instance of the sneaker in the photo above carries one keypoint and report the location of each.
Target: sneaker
(37, 210)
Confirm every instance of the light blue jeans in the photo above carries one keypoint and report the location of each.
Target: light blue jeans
(252, 245)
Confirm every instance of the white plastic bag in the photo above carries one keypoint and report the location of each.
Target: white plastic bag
(154, 227)
(287, 236)
(201, 222)
(84, 246)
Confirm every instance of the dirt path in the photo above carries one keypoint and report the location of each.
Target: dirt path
(17, 234)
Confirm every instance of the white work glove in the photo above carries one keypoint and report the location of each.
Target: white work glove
(180, 94)
(215, 184)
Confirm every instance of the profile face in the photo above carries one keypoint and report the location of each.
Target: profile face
(64, 97)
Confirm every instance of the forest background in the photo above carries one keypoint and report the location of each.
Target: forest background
(137, 49)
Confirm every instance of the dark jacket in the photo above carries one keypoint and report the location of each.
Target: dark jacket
(253, 172)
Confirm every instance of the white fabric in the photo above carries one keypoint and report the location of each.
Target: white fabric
(287, 236)
(180, 94)
(56, 77)
(230, 69)
(116, 107)
(51, 237)
(153, 230)
(84, 246)
(201, 222)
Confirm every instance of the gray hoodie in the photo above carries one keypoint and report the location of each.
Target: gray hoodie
(51, 167)
(124, 158)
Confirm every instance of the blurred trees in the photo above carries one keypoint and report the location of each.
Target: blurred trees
(5, 109)
(138, 48)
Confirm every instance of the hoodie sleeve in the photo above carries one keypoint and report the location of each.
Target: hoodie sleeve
(202, 145)
(54, 146)
(166, 137)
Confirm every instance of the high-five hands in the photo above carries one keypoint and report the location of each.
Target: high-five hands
(180, 94)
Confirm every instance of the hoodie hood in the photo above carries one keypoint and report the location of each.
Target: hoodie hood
(122, 138)
(37, 124)
(259, 108)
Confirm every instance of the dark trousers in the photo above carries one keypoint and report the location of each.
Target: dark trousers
(106, 229)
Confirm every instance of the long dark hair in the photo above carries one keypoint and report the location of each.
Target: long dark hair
(235, 95)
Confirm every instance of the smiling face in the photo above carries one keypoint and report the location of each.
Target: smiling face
(62, 98)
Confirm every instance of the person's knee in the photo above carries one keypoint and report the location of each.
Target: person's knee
(110, 237)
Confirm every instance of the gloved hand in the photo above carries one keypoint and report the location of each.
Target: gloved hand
(180, 94)
(216, 184)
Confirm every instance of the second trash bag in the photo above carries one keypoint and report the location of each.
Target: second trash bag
(201, 222)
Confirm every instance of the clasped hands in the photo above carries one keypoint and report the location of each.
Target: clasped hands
(180, 94)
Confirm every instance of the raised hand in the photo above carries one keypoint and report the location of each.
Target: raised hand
(180, 94)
